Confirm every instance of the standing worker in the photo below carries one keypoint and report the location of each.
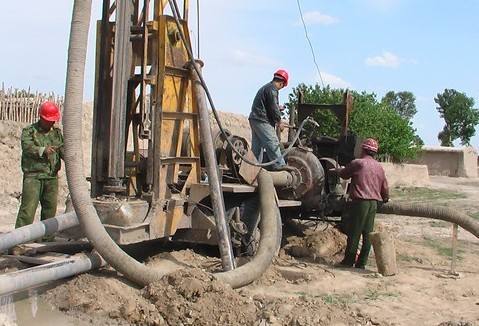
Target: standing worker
(264, 117)
(368, 187)
(42, 151)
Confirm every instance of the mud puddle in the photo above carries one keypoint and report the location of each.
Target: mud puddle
(28, 308)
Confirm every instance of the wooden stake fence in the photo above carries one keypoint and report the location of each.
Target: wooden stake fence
(22, 106)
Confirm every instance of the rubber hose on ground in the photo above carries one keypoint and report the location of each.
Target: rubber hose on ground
(435, 212)
(78, 186)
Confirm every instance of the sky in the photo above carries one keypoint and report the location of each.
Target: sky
(373, 45)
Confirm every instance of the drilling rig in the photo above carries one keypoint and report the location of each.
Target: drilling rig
(158, 172)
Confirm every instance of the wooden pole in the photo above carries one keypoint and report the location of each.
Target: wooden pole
(454, 249)
(385, 252)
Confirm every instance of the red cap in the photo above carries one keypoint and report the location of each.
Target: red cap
(370, 145)
(282, 74)
(49, 111)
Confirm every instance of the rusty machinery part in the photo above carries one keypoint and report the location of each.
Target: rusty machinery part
(176, 15)
(224, 151)
(311, 176)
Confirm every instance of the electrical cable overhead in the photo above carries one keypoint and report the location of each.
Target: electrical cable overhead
(309, 42)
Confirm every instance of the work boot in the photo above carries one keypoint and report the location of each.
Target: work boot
(344, 264)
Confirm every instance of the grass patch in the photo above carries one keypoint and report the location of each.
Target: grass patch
(337, 299)
(409, 259)
(475, 215)
(422, 194)
(439, 224)
(443, 249)
(374, 294)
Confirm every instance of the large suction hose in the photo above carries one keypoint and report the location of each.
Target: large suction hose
(435, 212)
(89, 220)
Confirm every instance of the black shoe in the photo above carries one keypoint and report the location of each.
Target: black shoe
(360, 266)
(344, 264)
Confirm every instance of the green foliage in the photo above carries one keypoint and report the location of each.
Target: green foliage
(459, 115)
(403, 102)
(369, 118)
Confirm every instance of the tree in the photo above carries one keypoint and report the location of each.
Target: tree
(403, 102)
(459, 115)
(369, 118)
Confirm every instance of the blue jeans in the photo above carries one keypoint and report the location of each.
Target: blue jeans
(263, 136)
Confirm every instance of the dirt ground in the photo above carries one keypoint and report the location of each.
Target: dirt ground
(302, 287)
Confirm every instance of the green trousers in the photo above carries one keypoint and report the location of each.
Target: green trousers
(34, 191)
(359, 216)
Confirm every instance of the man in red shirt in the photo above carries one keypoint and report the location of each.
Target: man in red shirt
(368, 187)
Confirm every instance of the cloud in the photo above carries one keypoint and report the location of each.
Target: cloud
(334, 81)
(318, 18)
(386, 59)
(242, 57)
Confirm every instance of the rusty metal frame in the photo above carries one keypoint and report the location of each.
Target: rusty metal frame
(341, 111)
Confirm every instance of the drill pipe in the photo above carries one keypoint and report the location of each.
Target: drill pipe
(283, 178)
(216, 193)
(37, 230)
(31, 277)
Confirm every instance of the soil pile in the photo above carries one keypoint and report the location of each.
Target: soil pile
(319, 245)
(189, 297)
(193, 297)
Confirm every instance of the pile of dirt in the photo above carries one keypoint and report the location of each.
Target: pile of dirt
(189, 297)
(318, 245)
(194, 297)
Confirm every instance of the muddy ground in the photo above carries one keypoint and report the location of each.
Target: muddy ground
(303, 287)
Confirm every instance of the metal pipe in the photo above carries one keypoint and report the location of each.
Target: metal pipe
(121, 73)
(37, 230)
(216, 193)
(30, 277)
(283, 178)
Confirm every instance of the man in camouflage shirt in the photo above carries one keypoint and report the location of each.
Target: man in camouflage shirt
(42, 151)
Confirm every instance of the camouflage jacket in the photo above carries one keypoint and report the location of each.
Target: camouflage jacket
(35, 162)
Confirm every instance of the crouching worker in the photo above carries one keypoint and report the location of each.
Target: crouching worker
(368, 187)
(42, 151)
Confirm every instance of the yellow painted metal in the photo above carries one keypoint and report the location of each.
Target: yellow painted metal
(175, 118)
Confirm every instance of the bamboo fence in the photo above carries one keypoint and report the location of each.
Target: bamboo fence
(22, 105)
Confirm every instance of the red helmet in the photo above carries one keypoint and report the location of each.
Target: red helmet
(370, 145)
(282, 74)
(49, 111)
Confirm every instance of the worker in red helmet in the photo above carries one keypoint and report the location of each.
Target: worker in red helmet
(264, 117)
(42, 151)
(368, 187)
